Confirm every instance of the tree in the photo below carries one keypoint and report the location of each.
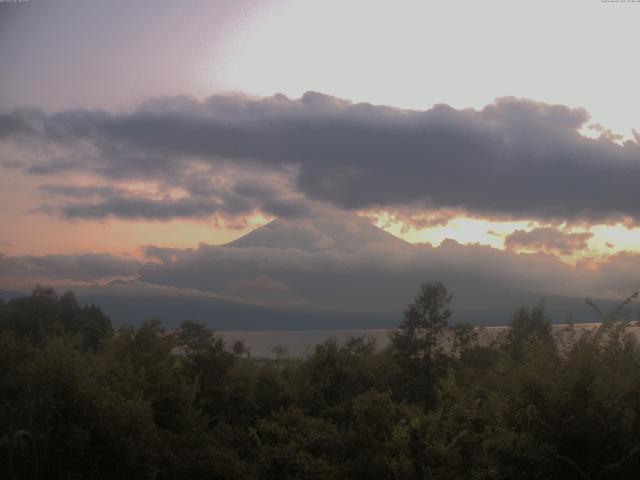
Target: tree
(44, 314)
(195, 337)
(239, 348)
(619, 312)
(279, 351)
(416, 342)
(424, 322)
(528, 326)
(464, 337)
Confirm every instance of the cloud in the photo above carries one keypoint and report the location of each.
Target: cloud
(382, 278)
(354, 268)
(366, 269)
(262, 290)
(79, 267)
(142, 208)
(619, 273)
(413, 217)
(100, 201)
(80, 191)
(548, 239)
(228, 195)
(512, 159)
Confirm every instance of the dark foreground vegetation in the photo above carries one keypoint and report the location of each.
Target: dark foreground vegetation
(148, 404)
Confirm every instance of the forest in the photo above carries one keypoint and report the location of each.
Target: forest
(147, 403)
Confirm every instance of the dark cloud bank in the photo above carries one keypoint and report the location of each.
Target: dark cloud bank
(329, 273)
(310, 162)
(514, 158)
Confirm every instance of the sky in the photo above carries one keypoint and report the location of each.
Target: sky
(137, 139)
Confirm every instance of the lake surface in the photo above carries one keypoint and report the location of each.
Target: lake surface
(297, 343)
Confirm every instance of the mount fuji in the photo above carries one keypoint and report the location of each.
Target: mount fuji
(328, 273)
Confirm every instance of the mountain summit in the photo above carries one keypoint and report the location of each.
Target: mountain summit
(318, 235)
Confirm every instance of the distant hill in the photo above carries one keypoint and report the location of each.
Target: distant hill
(225, 315)
(220, 314)
(7, 295)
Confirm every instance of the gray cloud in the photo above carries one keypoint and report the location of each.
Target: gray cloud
(548, 239)
(100, 201)
(344, 265)
(203, 196)
(77, 267)
(80, 191)
(262, 290)
(514, 158)
(348, 265)
(620, 269)
(142, 208)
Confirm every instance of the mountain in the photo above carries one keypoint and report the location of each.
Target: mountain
(346, 268)
(318, 235)
(7, 295)
(331, 272)
(223, 314)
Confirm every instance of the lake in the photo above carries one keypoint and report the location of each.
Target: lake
(296, 343)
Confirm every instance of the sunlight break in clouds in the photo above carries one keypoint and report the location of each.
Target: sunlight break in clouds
(458, 127)
(465, 174)
(418, 53)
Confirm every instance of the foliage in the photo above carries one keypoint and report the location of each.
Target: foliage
(437, 403)
(528, 326)
(416, 343)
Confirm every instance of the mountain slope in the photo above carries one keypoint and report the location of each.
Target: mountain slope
(318, 235)
(7, 295)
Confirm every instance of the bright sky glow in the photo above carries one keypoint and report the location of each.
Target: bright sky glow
(410, 54)
(414, 54)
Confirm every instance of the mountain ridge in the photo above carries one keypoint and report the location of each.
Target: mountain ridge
(317, 235)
